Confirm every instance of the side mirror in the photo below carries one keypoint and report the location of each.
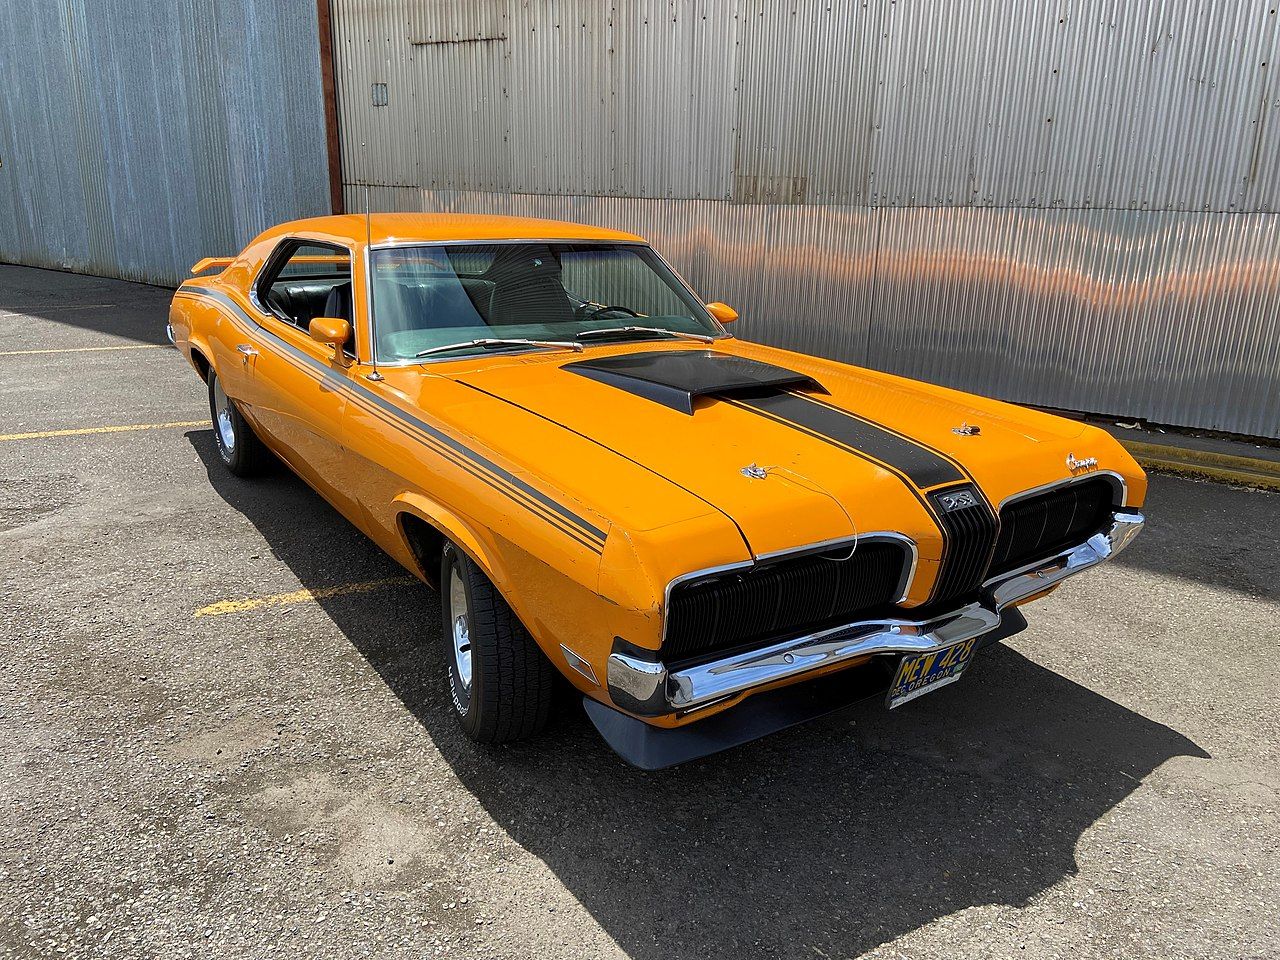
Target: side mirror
(722, 311)
(331, 330)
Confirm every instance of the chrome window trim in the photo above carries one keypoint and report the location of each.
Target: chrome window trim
(724, 334)
(370, 249)
(775, 555)
(270, 259)
(503, 241)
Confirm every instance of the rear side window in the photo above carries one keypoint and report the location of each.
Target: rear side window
(306, 280)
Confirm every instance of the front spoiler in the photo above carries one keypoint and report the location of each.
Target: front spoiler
(653, 748)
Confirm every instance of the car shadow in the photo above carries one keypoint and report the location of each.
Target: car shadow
(826, 840)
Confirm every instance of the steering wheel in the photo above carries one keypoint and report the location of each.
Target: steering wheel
(590, 310)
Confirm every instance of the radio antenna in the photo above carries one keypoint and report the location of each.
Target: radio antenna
(368, 259)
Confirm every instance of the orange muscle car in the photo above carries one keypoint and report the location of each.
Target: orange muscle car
(709, 538)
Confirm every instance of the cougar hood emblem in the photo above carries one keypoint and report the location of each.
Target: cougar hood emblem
(1075, 466)
(755, 472)
(967, 429)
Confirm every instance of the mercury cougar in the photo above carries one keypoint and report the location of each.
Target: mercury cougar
(708, 538)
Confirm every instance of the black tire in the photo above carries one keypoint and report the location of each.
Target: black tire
(240, 449)
(512, 684)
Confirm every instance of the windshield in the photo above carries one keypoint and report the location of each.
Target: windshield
(431, 296)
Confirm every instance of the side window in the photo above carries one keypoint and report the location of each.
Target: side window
(309, 280)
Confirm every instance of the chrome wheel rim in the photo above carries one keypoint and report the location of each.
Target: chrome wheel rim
(222, 417)
(461, 631)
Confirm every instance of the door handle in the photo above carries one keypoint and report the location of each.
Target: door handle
(246, 351)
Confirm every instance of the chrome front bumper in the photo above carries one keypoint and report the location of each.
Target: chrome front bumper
(648, 688)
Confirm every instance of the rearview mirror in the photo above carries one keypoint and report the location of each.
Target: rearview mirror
(722, 311)
(331, 330)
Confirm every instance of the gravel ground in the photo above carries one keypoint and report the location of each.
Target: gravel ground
(285, 779)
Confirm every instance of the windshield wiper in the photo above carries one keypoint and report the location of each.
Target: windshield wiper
(496, 342)
(700, 337)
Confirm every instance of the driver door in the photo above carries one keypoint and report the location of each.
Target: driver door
(296, 384)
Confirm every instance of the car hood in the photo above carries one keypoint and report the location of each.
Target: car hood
(792, 449)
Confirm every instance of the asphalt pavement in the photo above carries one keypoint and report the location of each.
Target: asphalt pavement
(226, 733)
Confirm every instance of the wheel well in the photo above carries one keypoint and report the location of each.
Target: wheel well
(427, 545)
(201, 363)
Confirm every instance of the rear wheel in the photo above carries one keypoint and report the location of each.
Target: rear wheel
(501, 684)
(238, 446)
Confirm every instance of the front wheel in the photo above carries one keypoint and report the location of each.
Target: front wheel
(501, 684)
(238, 446)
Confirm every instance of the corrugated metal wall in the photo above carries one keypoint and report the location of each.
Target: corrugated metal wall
(137, 137)
(1061, 203)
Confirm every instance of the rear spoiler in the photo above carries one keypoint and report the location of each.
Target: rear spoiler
(220, 262)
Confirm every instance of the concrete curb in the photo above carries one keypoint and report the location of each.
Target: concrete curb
(1223, 467)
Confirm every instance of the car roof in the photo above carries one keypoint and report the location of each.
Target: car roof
(382, 228)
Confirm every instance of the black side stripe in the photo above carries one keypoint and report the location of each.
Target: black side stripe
(922, 466)
(583, 531)
(496, 483)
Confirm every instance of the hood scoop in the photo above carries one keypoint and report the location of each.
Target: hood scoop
(675, 378)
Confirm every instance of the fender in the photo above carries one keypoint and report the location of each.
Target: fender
(450, 525)
(194, 342)
(183, 335)
(191, 347)
(453, 527)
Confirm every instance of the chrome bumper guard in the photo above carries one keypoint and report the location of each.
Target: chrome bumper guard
(647, 688)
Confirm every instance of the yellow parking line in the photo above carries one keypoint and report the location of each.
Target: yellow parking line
(300, 596)
(54, 307)
(127, 346)
(84, 431)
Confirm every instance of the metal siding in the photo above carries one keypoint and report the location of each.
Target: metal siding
(670, 78)
(444, 21)
(1155, 105)
(560, 116)
(1066, 204)
(463, 91)
(1170, 317)
(804, 104)
(138, 137)
(371, 45)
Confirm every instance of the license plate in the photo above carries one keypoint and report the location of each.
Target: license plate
(923, 673)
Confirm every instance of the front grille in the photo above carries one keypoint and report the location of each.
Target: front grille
(969, 528)
(782, 598)
(1043, 524)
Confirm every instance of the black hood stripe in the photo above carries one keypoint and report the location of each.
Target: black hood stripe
(922, 466)
(968, 537)
(897, 433)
